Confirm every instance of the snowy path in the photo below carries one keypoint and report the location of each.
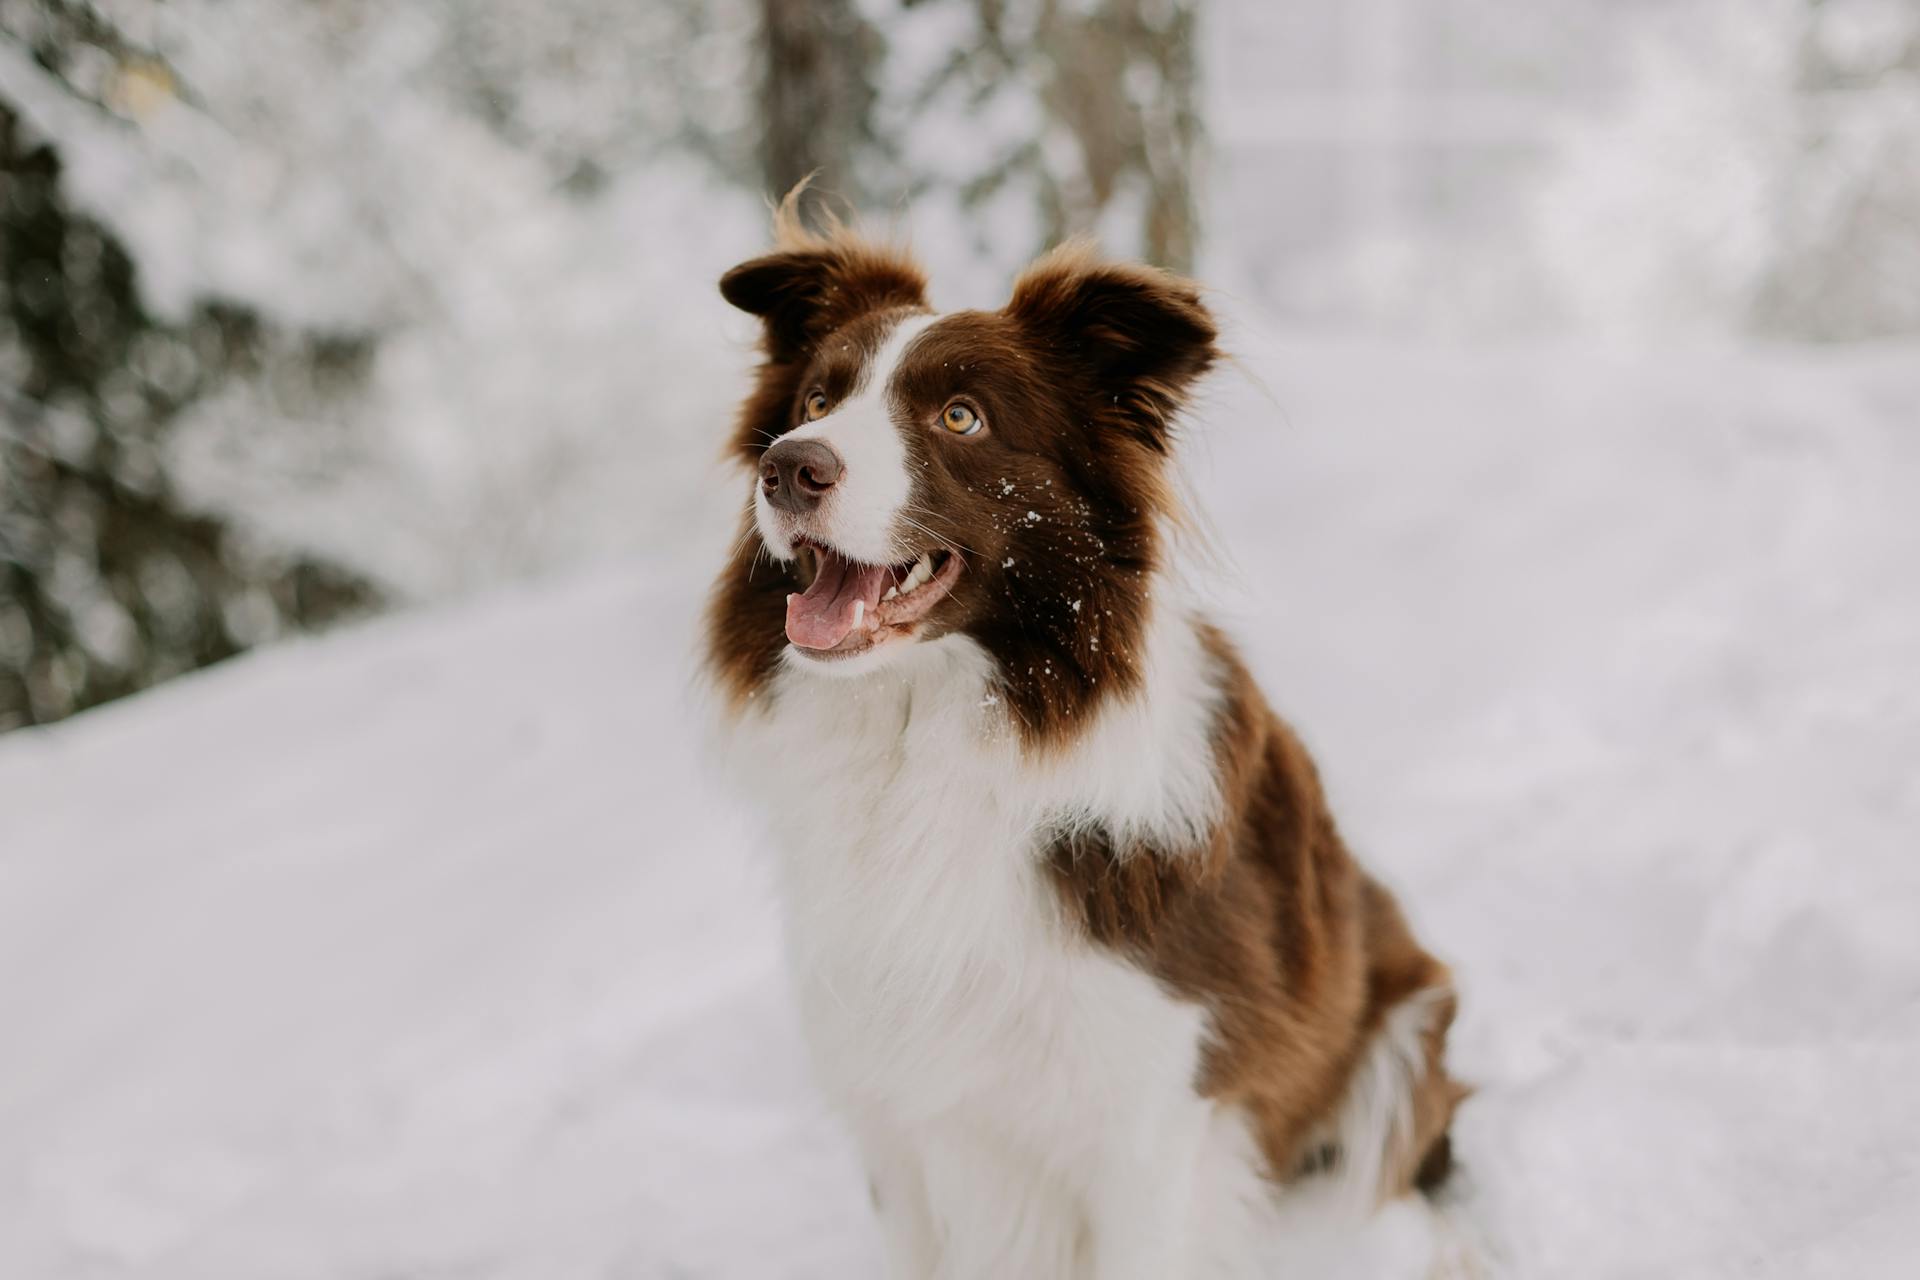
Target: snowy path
(426, 950)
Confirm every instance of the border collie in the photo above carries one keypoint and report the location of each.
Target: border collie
(1080, 954)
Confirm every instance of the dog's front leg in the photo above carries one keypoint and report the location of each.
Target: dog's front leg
(1140, 1202)
(898, 1186)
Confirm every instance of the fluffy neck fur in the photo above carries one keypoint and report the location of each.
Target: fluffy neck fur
(1141, 760)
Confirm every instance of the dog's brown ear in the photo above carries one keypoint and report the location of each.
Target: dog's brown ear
(808, 290)
(1142, 335)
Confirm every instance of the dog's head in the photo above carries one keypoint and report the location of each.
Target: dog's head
(1000, 476)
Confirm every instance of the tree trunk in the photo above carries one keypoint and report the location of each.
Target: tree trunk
(817, 96)
(1124, 81)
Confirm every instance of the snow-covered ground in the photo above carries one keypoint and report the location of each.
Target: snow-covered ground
(428, 950)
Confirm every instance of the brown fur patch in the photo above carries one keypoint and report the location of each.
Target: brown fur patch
(747, 619)
(1298, 954)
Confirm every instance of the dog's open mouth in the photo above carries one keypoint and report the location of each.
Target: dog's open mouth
(848, 607)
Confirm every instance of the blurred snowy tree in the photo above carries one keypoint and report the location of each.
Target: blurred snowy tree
(108, 582)
(1761, 173)
(595, 86)
(385, 322)
(1848, 262)
(1004, 127)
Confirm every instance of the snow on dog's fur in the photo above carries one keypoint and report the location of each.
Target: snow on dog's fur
(1081, 955)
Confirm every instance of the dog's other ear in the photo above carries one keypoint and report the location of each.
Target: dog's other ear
(815, 282)
(1142, 335)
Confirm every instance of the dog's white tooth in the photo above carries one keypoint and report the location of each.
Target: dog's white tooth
(892, 593)
(859, 611)
(924, 566)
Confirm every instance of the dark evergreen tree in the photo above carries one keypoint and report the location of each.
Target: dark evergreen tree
(108, 582)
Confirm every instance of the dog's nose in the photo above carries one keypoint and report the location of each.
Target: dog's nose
(796, 474)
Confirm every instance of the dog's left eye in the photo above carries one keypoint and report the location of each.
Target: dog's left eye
(816, 406)
(959, 419)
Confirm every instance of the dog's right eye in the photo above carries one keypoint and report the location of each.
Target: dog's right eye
(960, 419)
(816, 405)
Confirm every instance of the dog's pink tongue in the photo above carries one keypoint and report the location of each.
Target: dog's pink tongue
(823, 615)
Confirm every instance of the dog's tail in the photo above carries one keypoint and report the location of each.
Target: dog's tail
(1389, 1135)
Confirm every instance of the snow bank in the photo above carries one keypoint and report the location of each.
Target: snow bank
(427, 949)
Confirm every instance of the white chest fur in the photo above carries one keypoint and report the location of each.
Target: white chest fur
(1025, 1100)
(911, 826)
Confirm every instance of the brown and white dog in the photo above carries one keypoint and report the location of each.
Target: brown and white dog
(1080, 953)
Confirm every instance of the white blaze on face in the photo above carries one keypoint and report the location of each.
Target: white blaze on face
(861, 515)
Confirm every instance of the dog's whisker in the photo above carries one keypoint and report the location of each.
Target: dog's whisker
(955, 543)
